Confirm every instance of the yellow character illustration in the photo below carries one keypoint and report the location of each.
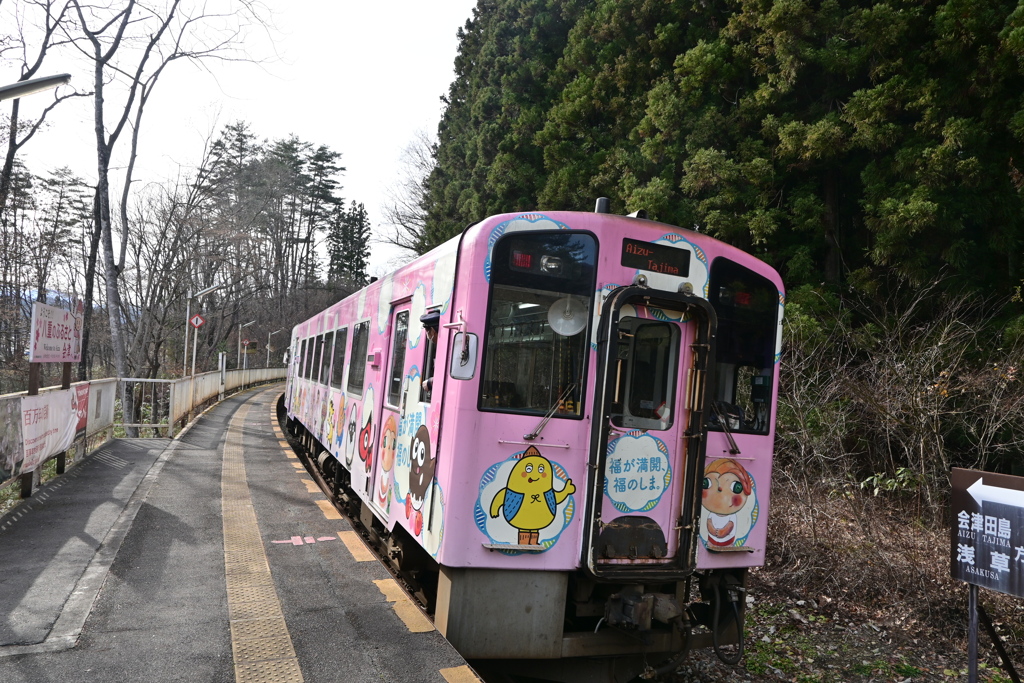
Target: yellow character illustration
(529, 500)
(330, 421)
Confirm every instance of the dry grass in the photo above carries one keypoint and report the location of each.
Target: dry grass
(870, 558)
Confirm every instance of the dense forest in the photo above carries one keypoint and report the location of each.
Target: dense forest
(843, 141)
(870, 151)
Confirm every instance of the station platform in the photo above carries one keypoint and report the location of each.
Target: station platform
(209, 557)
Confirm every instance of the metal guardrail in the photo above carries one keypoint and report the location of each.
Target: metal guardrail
(160, 403)
(155, 407)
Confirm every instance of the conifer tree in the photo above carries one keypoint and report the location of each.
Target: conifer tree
(348, 246)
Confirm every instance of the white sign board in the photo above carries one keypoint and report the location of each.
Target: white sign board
(56, 334)
(48, 425)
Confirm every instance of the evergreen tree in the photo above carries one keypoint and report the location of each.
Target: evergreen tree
(348, 246)
(488, 160)
(841, 141)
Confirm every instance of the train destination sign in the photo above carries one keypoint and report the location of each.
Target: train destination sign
(657, 258)
(987, 535)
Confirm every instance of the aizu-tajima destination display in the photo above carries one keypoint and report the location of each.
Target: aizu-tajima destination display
(988, 530)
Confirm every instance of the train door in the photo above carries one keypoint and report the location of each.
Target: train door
(379, 483)
(648, 422)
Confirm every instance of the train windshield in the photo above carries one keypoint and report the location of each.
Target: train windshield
(542, 287)
(747, 305)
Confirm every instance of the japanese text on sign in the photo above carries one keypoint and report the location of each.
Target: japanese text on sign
(56, 334)
(987, 544)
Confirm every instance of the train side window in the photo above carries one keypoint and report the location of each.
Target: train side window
(357, 359)
(648, 355)
(398, 358)
(314, 370)
(431, 323)
(328, 356)
(747, 305)
(429, 354)
(308, 367)
(300, 361)
(340, 342)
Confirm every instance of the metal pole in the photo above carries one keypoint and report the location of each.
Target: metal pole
(268, 348)
(188, 319)
(238, 362)
(192, 382)
(972, 635)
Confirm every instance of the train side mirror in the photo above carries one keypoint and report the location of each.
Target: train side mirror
(464, 354)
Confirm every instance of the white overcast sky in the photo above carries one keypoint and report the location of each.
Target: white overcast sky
(360, 76)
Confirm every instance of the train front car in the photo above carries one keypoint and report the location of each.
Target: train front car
(550, 427)
(606, 439)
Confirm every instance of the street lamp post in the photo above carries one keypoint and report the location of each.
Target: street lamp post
(238, 363)
(195, 345)
(188, 319)
(268, 344)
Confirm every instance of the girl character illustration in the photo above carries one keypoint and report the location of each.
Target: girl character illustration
(726, 489)
(388, 442)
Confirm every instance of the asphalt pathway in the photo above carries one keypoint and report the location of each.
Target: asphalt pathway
(125, 569)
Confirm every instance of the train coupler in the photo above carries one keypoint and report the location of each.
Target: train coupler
(632, 608)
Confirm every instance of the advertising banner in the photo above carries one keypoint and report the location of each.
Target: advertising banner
(48, 425)
(82, 407)
(56, 334)
(12, 447)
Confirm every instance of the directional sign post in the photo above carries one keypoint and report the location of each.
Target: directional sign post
(986, 540)
(987, 544)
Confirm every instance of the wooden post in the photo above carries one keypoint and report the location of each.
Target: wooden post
(65, 383)
(28, 479)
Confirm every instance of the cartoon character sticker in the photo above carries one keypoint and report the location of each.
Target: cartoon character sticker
(729, 499)
(525, 500)
(388, 442)
(421, 476)
(323, 397)
(351, 428)
(338, 427)
(329, 422)
(366, 442)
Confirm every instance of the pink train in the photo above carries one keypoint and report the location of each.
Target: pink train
(559, 428)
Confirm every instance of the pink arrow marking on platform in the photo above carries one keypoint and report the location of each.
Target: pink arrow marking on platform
(298, 540)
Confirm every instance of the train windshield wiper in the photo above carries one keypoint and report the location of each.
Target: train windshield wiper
(543, 423)
(723, 421)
